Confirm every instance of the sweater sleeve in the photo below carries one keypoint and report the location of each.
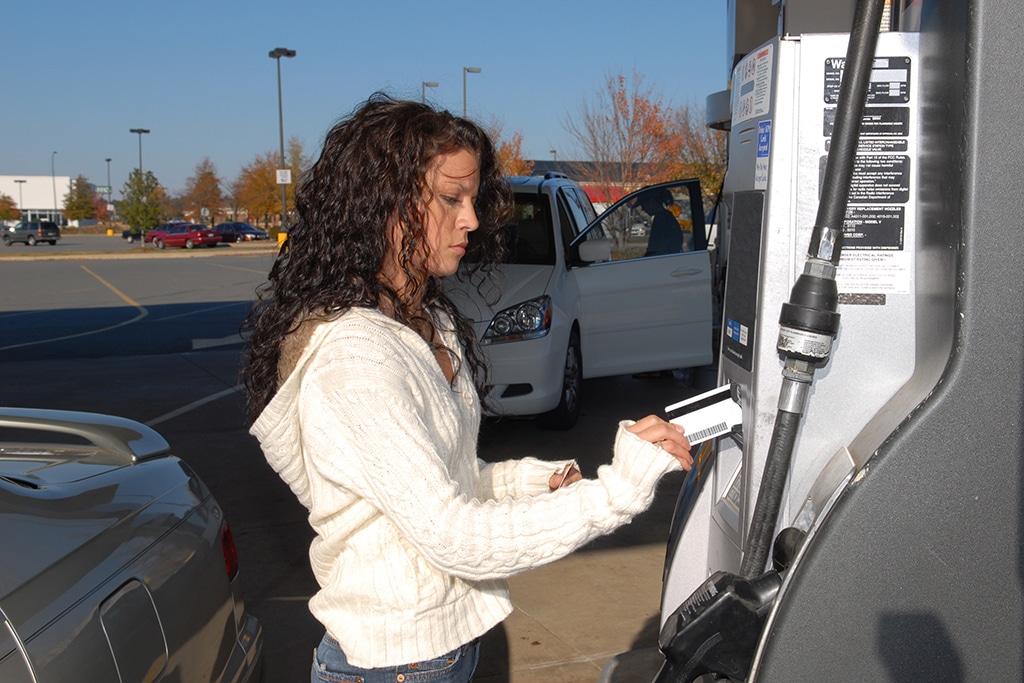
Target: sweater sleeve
(516, 478)
(363, 429)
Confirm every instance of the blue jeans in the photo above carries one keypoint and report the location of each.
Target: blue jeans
(331, 666)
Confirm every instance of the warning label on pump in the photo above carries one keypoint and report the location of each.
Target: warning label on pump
(873, 272)
(881, 179)
(876, 121)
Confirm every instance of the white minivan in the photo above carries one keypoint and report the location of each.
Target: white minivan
(585, 297)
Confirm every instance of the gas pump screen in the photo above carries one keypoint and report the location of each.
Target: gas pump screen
(707, 415)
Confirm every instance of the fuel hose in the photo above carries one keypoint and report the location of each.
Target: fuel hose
(809, 321)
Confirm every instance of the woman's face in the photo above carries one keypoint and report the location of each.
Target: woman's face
(454, 181)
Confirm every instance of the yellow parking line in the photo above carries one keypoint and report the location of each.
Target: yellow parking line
(142, 314)
(114, 289)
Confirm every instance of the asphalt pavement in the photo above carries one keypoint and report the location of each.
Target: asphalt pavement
(570, 616)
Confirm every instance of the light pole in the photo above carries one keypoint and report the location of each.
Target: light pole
(427, 84)
(21, 202)
(53, 177)
(467, 70)
(140, 132)
(110, 189)
(283, 178)
(554, 155)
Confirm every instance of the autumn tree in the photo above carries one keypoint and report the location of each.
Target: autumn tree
(256, 188)
(99, 208)
(144, 201)
(256, 191)
(297, 162)
(202, 191)
(79, 202)
(703, 152)
(510, 151)
(9, 210)
(627, 133)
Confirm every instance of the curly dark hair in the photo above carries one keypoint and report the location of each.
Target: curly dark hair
(372, 174)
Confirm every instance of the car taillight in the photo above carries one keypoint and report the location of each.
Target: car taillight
(227, 543)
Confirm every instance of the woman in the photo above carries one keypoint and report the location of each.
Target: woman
(365, 385)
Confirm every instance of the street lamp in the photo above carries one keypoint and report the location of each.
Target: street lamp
(21, 202)
(53, 177)
(110, 189)
(554, 155)
(283, 178)
(467, 70)
(140, 132)
(427, 84)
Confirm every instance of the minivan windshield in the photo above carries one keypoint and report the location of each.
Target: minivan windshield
(530, 233)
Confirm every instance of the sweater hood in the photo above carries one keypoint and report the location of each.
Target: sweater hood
(278, 428)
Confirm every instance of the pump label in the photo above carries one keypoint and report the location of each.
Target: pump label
(803, 343)
(752, 85)
(764, 148)
(877, 179)
(890, 80)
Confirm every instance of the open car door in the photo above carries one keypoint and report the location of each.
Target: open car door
(644, 277)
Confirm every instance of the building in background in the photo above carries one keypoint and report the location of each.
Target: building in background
(39, 197)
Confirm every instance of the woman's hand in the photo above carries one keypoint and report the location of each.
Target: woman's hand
(570, 474)
(666, 436)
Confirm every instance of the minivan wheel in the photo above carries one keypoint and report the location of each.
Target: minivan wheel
(564, 416)
(189, 244)
(7, 241)
(31, 240)
(159, 244)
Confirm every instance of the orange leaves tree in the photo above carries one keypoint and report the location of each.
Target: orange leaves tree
(510, 151)
(203, 191)
(255, 191)
(9, 209)
(626, 132)
(703, 152)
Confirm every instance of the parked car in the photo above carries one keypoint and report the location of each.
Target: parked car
(32, 232)
(148, 236)
(240, 232)
(584, 297)
(133, 235)
(116, 562)
(188, 235)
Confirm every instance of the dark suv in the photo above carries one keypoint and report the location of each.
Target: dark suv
(32, 232)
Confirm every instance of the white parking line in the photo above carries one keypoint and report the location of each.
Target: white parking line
(193, 405)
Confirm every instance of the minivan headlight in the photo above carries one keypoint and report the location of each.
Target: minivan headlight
(527, 320)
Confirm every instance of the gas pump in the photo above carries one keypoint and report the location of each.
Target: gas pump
(874, 342)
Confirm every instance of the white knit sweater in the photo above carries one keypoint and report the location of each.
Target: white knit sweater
(415, 536)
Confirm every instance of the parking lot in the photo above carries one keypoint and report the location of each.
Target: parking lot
(155, 338)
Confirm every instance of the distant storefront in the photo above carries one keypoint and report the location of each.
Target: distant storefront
(39, 197)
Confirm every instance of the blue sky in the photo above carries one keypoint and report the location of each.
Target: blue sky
(79, 75)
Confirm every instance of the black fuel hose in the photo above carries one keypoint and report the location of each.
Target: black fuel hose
(810, 321)
(769, 495)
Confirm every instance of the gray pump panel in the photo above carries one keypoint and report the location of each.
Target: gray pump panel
(906, 475)
(783, 106)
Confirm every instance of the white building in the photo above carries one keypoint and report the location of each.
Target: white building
(40, 197)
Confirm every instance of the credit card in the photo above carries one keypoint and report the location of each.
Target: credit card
(706, 415)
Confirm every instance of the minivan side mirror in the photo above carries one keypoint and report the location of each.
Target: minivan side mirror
(595, 250)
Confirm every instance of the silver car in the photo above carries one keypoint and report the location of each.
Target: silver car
(116, 562)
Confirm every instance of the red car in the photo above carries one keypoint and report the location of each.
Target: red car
(186, 235)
